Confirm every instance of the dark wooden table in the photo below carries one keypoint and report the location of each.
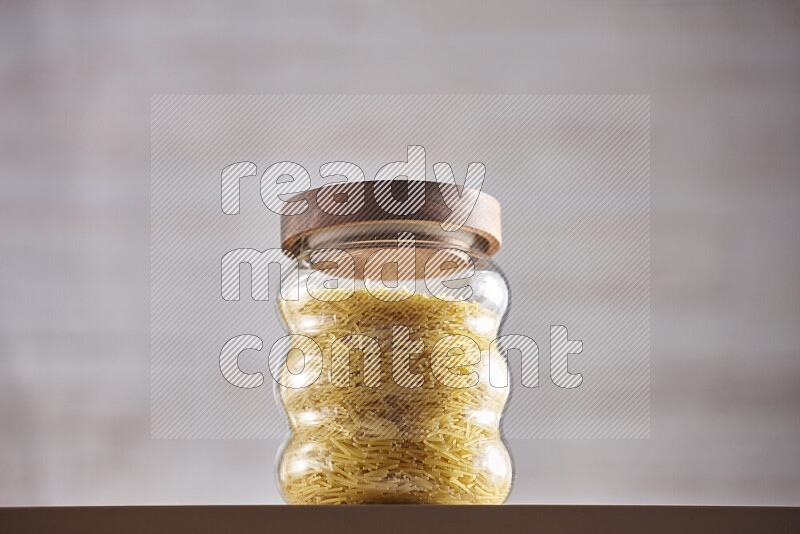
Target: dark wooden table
(401, 519)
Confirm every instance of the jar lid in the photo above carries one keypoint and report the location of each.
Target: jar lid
(343, 208)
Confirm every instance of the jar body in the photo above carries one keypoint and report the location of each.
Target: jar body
(396, 414)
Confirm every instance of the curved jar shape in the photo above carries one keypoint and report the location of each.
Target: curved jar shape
(402, 410)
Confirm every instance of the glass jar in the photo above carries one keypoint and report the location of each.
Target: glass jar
(401, 315)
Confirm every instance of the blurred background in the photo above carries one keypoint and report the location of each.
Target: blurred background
(76, 79)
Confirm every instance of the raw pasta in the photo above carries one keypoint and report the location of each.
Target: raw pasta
(393, 444)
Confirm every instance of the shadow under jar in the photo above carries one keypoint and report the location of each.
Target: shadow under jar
(400, 314)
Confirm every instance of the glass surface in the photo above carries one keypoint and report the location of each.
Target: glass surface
(394, 416)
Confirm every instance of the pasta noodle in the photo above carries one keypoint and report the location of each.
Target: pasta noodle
(389, 443)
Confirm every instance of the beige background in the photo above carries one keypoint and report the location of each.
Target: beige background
(75, 86)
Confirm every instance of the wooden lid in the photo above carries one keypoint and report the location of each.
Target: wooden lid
(335, 199)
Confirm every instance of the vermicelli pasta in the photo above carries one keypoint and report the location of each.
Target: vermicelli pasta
(361, 444)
